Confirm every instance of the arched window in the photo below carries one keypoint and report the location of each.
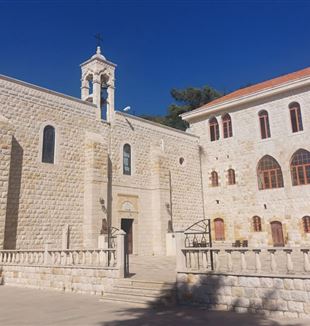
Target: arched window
(300, 167)
(48, 149)
(257, 224)
(269, 174)
(264, 124)
(127, 159)
(214, 179)
(306, 223)
(227, 126)
(214, 129)
(296, 119)
(219, 229)
(231, 177)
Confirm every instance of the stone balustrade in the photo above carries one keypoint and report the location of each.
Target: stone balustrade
(76, 257)
(96, 258)
(280, 260)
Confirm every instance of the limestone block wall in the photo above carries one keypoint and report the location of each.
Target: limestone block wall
(95, 188)
(238, 203)
(6, 131)
(68, 279)
(42, 197)
(274, 296)
(160, 183)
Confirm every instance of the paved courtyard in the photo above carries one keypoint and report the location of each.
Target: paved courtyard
(19, 306)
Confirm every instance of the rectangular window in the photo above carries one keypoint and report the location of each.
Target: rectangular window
(307, 167)
(262, 127)
(301, 177)
(266, 180)
(294, 120)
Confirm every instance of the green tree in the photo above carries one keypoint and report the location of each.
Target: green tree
(186, 100)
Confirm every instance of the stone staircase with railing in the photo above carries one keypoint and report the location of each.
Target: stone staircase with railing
(151, 282)
(142, 293)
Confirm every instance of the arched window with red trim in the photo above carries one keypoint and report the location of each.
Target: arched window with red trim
(214, 129)
(219, 230)
(264, 124)
(231, 177)
(227, 126)
(300, 167)
(296, 119)
(214, 179)
(306, 223)
(257, 224)
(269, 173)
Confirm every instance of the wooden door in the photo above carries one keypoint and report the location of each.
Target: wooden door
(126, 225)
(219, 229)
(277, 234)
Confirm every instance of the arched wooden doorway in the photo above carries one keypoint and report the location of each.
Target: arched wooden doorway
(277, 234)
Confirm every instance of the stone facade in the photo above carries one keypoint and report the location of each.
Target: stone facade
(66, 203)
(237, 204)
(85, 191)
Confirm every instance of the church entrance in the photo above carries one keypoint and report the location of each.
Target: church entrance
(277, 234)
(126, 225)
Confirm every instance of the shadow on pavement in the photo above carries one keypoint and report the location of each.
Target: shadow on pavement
(200, 301)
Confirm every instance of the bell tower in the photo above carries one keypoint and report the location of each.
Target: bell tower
(98, 84)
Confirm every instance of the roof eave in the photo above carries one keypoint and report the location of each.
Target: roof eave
(246, 98)
(101, 60)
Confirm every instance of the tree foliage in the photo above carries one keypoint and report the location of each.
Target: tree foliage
(185, 100)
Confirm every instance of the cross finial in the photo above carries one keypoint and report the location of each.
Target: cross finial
(99, 39)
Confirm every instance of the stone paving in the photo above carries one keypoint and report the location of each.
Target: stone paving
(19, 306)
(153, 268)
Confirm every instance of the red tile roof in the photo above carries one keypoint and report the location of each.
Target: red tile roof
(260, 86)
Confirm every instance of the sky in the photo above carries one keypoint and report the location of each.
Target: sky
(157, 45)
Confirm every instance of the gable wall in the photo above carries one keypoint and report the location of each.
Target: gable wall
(43, 198)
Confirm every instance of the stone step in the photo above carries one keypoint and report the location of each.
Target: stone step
(145, 284)
(121, 300)
(143, 290)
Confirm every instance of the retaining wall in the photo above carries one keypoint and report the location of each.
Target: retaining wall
(278, 296)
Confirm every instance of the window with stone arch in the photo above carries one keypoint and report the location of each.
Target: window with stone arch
(269, 173)
(296, 119)
(127, 159)
(231, 177)
(219, 229)
(257, 224)
(214, 179)
(227, 126)
(214, 129)
(48, 144)
(264, 124)
(306, 224)
(300, 167)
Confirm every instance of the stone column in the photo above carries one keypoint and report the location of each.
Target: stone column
(120, 253)
(180, 256)
(84, 90)
(161, 206)
(110, 104)
(95, 188)
(6, 132)
(97, 95)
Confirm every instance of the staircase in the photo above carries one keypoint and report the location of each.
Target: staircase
(142, 293)
(151, 283)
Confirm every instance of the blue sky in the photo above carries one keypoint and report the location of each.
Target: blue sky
(157, 45)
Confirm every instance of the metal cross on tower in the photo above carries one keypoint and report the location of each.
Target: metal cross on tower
(99, 39)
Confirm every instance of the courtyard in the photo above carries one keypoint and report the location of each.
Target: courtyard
(20, 306)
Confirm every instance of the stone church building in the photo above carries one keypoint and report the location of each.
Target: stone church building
(68, 174)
